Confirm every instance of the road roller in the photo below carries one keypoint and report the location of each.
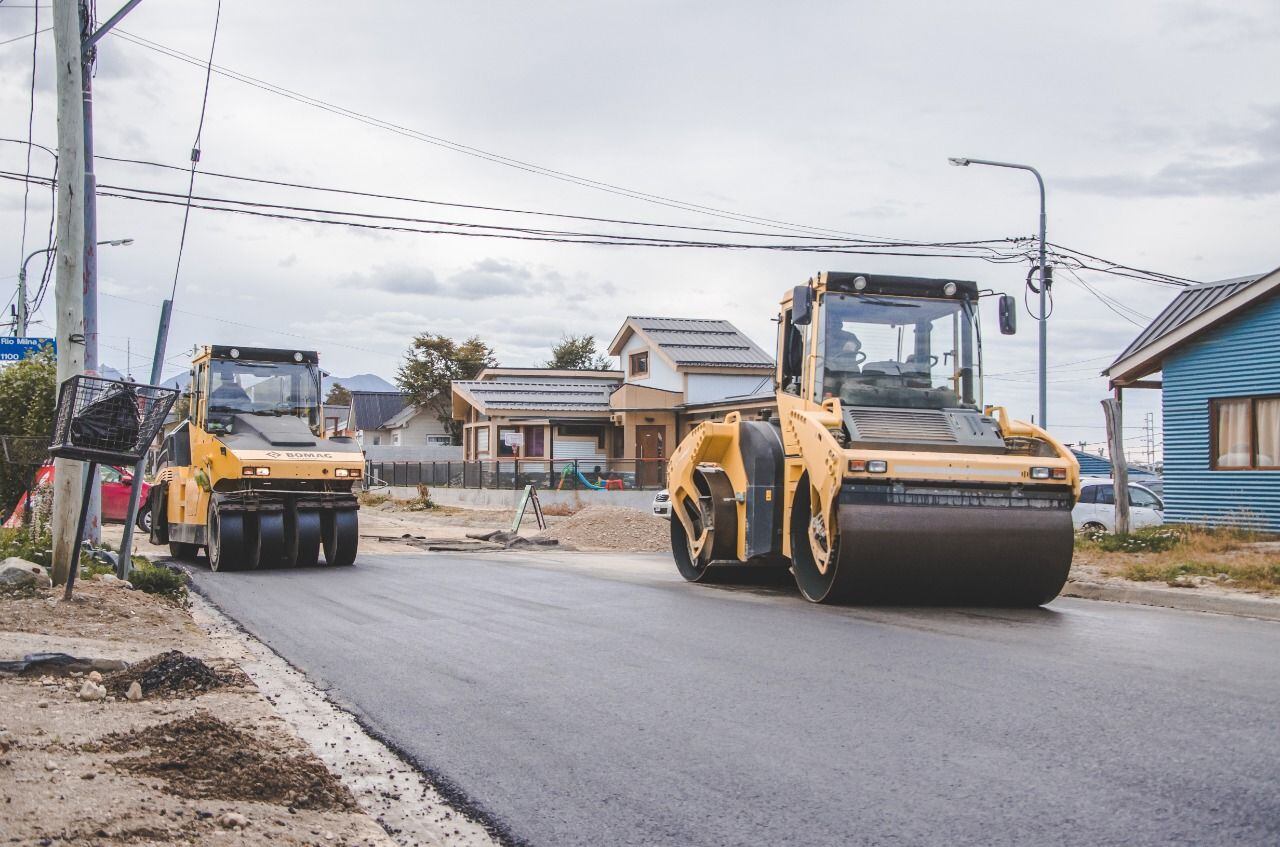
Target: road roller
(882, 478)
(249, 475)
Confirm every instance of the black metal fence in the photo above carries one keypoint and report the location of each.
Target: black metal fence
(561, 474)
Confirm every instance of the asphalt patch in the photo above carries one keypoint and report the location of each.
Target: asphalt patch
(172, 673)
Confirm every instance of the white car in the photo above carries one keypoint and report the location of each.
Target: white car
(1096, 509)
(662, 504)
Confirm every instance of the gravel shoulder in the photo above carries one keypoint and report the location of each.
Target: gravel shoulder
(192, 766)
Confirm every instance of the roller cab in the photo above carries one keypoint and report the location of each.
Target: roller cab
(248, 476)
(884, 477)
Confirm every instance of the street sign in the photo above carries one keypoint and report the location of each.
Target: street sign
(17, 349)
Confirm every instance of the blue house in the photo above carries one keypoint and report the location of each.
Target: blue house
(1218, 348)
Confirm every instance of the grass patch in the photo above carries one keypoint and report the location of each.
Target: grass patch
(373, 498)
(162, 581)
(26, 544)
(1252, 575)
(1187, 556)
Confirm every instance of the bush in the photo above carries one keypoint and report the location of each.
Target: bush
(156, 579)
(372, 498)
(26, 544)
(423, 502)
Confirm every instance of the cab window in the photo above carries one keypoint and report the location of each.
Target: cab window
(1106, 495)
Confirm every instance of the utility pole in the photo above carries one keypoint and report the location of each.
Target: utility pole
(93, 520)
(69, 279)
(1113, 408)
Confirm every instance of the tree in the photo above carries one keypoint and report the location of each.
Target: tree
(578, 353)
(28, 393)
(432, 363)
(338, 395)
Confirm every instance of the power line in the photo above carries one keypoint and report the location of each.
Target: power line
(27, 35)
(195, 150)
(31, 121)
(484, 154)
(974, 244)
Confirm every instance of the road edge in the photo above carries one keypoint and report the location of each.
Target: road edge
(1188, 600)
(389, 787)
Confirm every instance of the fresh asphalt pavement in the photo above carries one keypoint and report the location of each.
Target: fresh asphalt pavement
(583, 699)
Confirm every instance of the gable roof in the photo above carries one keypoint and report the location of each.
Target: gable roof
(1196, 308)
(694, 342)
(372, 409)
(489, 396)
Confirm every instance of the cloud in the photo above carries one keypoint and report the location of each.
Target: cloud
(1228, 162)
(399, 279)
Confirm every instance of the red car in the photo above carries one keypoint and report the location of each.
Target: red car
(116, 483)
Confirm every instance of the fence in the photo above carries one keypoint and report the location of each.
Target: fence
(561, 474)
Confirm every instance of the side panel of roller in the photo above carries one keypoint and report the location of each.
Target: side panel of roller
(762, 458)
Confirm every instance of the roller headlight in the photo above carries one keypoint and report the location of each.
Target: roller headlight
(1040, 473)
(250, 470)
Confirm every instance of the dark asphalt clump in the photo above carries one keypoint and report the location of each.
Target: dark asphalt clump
(172, 672)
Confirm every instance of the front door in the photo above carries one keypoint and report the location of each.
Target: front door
(650, 455)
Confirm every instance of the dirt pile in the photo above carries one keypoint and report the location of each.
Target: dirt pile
(169, 674)
(200, 757)
(613, 528)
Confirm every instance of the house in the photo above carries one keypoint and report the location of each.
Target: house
(675, 373)
(1214, 347)
(391, 428)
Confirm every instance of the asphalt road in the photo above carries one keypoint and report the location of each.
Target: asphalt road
(596, 700)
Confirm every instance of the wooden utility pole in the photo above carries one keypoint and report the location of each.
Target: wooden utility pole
(69, 276)
(1113, 408)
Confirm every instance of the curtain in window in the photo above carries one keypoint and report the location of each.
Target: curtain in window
(1233, 447)
(1268, 423)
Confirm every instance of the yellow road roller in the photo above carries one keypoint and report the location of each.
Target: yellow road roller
(249, 475)
(883, 478)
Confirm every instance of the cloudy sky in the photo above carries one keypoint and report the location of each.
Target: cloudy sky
(1156, 125)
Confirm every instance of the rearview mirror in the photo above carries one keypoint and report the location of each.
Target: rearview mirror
(1008, 314)
(801, 305)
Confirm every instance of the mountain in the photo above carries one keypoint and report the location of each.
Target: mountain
(359, 382)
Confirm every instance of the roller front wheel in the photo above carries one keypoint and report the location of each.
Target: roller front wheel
(340, 533)
(225, 539)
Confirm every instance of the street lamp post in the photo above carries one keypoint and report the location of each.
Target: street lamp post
(20, 326)
(1044, 288)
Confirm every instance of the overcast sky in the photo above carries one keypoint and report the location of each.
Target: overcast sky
(1155, 124)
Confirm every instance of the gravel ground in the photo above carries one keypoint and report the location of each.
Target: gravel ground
(612, 528)
(107, 771)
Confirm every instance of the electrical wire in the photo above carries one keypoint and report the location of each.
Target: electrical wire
(484, 154)
(195, 149)
(24, 36)
(976, 244)
(31, 121)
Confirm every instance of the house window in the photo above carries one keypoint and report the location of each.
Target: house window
(395, 439)
(377, 439)
(439, 440)
(638, 363)
(482, 441)
(581, 431)
(1244, 433)
(522, 441)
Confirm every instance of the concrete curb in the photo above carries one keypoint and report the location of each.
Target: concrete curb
(1187, 599)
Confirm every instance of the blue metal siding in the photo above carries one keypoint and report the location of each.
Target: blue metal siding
(1237, 359)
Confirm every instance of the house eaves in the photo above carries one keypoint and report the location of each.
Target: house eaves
(1195, 310)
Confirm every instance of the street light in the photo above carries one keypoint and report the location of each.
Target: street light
(1044, 288)
(20, 325)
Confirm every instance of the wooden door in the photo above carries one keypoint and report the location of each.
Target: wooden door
(650, 455)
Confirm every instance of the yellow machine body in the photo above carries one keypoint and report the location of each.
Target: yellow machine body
(902, 515)
(250, 475)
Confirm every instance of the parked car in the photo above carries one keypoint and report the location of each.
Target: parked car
(1096, 509)
(662, 504)
(116, 483)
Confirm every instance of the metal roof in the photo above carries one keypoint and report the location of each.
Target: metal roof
(697, 342)
(372, 409)
(583, 396)
(1190, 303)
